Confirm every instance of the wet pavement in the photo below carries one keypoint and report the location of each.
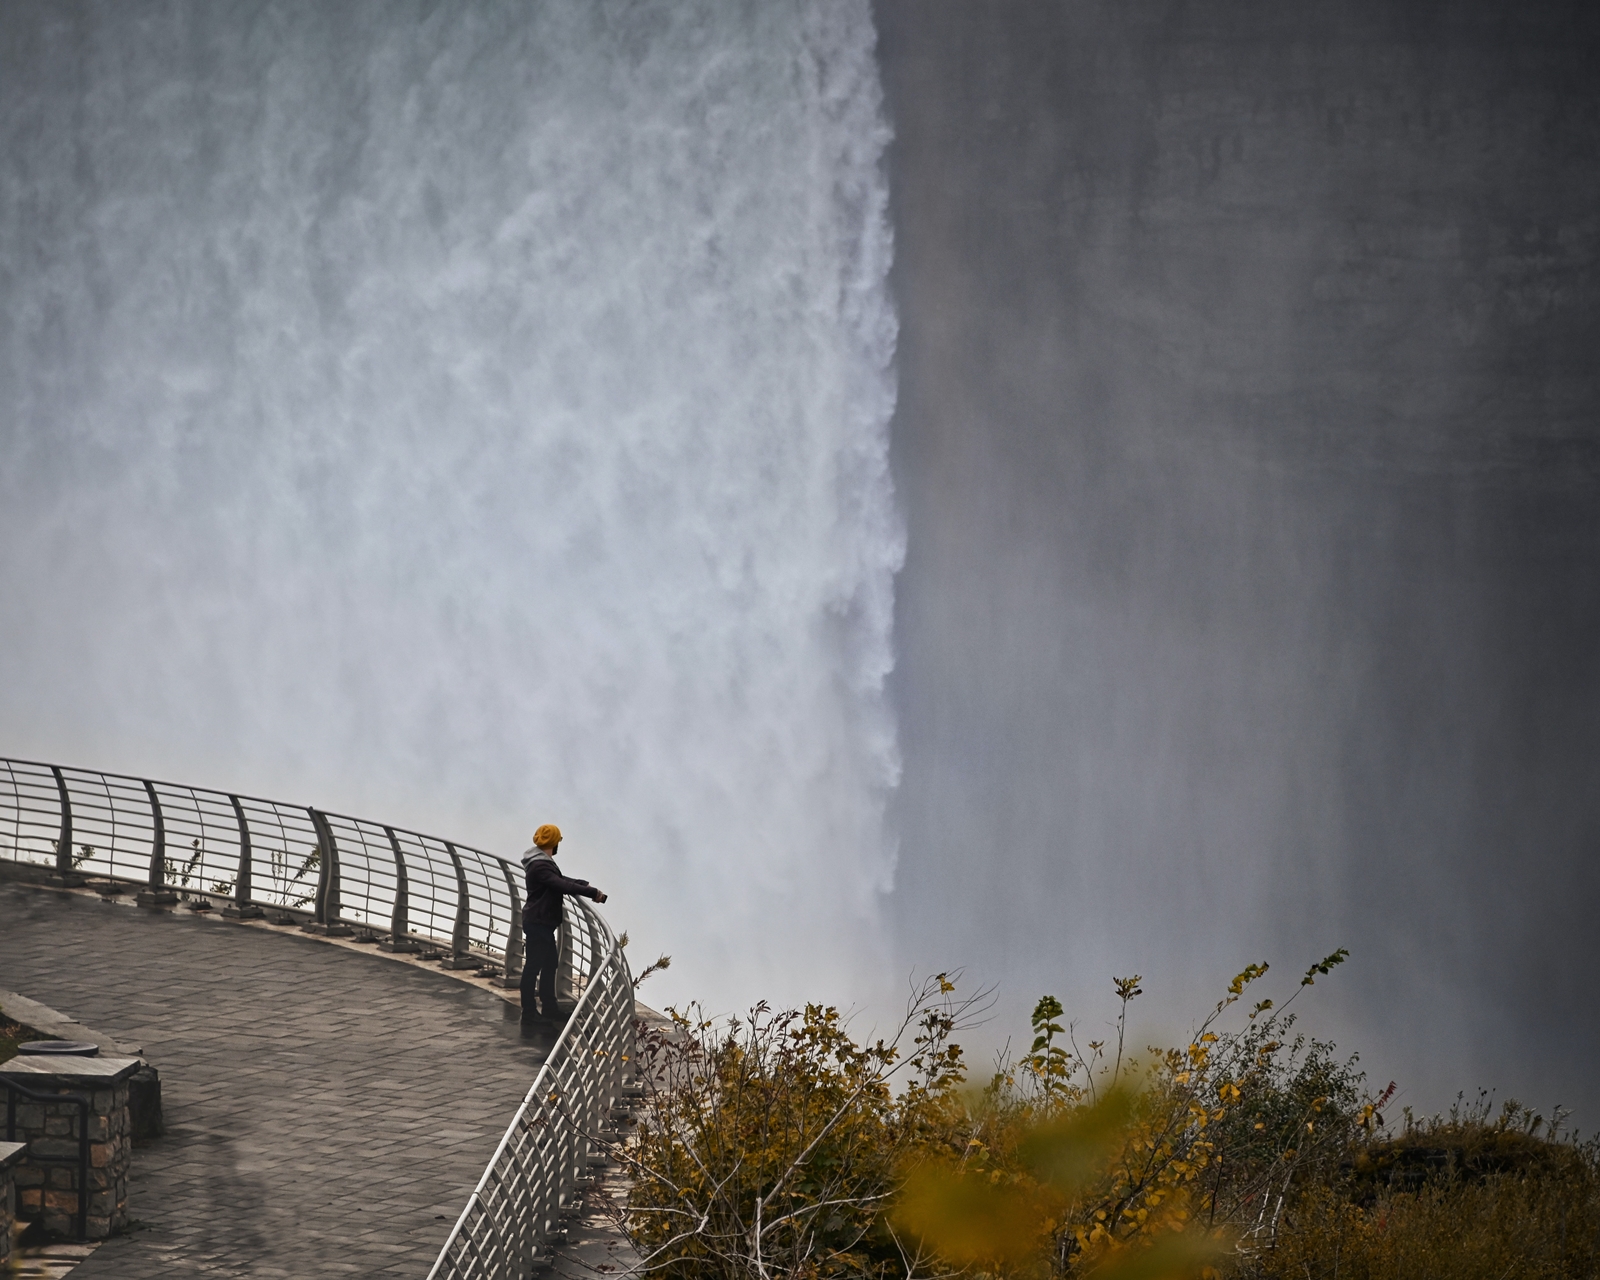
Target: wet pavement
(328, 1109)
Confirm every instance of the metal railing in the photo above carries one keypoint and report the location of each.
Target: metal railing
(543, 1162)
(256, 856)
(338, 874)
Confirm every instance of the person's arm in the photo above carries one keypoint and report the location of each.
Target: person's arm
(549, 878)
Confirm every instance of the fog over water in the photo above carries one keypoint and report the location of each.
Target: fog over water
(468, 416)
(1248, 426)
(1057, 488)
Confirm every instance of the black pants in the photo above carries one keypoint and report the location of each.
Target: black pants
(539, 969)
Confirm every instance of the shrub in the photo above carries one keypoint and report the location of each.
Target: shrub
(770, 1144)
(1465, 1195)
(1100, 1156)
(775, 1146)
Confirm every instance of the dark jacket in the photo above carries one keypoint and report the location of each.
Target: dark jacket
(546, 887)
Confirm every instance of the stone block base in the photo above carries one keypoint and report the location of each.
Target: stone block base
(11, 1154)
(48, 1188)
(328, 930)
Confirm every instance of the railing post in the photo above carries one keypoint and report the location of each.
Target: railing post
(539, 1168)
(399, 938)
(327, 913)
(66, 873)
(242, 908)
(566, 986)
(157, 894)
(461, 938)
(513, 973)
(327, 868)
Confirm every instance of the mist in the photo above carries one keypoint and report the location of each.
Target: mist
(469, 416)
(1247, 435)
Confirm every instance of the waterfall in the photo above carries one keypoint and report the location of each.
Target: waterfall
(472, 415)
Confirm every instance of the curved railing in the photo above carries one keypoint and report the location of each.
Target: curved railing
(543, 1162)
(257, 856)
(335, 875)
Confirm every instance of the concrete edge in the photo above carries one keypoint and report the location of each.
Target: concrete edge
(468, 976)
(60, 1026)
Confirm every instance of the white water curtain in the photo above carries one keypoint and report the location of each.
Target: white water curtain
(473, 415)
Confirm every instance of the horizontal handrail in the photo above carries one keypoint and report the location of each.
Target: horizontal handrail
(259, 855)
(343, 872)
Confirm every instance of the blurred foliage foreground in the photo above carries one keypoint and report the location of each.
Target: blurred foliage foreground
(775, 1146)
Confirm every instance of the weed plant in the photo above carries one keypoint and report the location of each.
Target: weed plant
(13, 1033)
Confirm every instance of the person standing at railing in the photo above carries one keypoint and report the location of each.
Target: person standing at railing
(541, 917)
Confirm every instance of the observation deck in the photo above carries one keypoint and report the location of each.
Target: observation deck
(330, 1110)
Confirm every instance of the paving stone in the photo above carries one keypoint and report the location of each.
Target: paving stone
(324, 1105)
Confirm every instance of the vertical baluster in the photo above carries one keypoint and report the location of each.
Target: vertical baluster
(399, 938)
(156, 893)
(65, 874)
(325, 871)
(566, 986)
(327, 921)
(461, 938)
(243, 888)
(513, 973)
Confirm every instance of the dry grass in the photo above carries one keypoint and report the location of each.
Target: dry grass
(1507, 1227)
(1465, 1196)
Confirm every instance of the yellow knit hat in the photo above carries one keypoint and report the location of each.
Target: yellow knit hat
(547, 836)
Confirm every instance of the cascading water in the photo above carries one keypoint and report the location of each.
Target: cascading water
(474, 415)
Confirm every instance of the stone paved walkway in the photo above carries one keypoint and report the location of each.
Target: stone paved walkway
(328, 1111)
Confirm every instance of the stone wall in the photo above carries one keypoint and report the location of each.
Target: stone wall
(47, 1178)
(11, 1153)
